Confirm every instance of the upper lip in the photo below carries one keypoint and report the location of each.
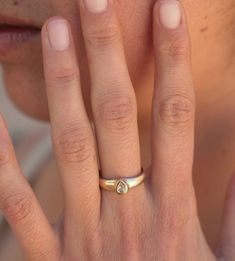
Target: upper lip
(13, 21)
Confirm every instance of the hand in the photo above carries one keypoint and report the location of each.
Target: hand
(158, 219)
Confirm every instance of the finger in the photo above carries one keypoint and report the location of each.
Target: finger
(112, 94)
(21, 208)
(226, 249)
(72, 135)
(173, 102)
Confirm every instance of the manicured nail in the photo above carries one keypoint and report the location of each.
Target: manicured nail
(96, 6)
(58, 34)
(170, 13)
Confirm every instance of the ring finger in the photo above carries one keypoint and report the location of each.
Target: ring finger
(112, 95)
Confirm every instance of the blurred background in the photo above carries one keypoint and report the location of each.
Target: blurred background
(21, 127)
(17, 122)
(32, 142)
(31, 138)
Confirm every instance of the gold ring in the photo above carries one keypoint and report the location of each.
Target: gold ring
(121, 186)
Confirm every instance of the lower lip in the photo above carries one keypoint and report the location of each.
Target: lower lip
(11, 38)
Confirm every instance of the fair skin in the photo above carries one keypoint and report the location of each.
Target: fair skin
(160, 218)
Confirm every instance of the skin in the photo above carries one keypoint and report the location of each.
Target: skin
(206, 75)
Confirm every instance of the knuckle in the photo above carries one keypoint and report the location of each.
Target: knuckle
(117, 113)
(46, 253)
(176, 110)
(103, 36)
(176, 47)
(73, 145)
(93, 243)
(17, 207)
(132, 229)
(177, 219)
(63, 75)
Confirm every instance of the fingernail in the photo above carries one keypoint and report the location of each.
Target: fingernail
(170, 14)
(96, 6)
(58, 34)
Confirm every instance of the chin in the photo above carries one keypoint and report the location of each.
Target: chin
(27, 91)
(32, 106)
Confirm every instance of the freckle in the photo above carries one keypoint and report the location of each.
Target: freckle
(205, 17)
(204, 29)
(16, 2)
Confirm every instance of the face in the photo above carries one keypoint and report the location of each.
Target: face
(22, 63)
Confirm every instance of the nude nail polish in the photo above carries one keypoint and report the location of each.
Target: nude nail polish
(96, 6)
(170, 14)
(58, 34)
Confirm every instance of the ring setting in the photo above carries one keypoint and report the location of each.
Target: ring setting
(123, 185)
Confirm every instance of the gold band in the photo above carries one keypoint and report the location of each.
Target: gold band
(122, 185)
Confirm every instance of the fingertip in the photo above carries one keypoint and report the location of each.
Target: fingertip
(53, 19)
(171, 38)
(56, 33)
(169, 14)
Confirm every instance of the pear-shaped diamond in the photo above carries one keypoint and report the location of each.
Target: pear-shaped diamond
(122, 187)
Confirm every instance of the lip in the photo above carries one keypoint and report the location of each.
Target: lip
(11, 20)
(15, 33)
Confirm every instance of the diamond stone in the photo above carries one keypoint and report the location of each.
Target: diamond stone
(122, 187)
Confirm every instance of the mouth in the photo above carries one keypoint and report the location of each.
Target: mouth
(7, 28)
(14, 33)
